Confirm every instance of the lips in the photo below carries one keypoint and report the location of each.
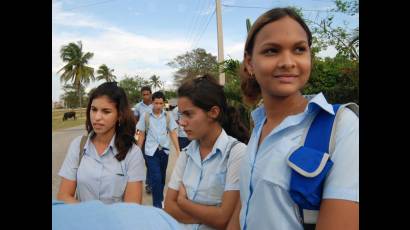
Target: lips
(97, 125)
(187, 131)
(286, 78)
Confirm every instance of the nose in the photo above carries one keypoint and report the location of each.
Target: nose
(182, 121)
(98, 115)
(286, 61)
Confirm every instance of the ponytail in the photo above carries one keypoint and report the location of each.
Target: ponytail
(250, 87)
(205, 92)
(233, 125)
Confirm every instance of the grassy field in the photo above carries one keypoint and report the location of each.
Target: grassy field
(57, 118)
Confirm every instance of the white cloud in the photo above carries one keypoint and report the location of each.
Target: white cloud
(72, 19)
(235, 50)
(125, 52)
(329, 52)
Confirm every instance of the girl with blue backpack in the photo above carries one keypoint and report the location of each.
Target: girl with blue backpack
(300, 170)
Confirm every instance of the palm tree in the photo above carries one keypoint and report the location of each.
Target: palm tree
(155, 82)
(76, 69)
(105, 73)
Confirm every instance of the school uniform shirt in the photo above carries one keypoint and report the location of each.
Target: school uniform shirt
(181, 132)
(157, 132)
(265, 175)
(140, 108)
(102, 177)
(206, 180)
(119, 216)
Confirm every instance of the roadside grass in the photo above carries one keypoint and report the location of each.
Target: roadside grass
(57, 119)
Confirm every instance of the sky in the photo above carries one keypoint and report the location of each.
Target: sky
(139, 37)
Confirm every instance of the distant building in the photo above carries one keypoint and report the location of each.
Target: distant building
(58, 104)
(173, 101)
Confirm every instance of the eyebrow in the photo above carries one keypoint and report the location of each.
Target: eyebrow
(94, 107)
(277, 44)
(187, 111)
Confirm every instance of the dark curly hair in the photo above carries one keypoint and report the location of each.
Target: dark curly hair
(205, 92)
(125, 127)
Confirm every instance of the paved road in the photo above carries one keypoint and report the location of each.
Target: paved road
(61, 140)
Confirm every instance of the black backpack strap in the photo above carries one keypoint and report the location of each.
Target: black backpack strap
(80, 155)
(232, 145)
(81, 151)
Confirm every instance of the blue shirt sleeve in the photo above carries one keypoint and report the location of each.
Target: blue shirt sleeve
(343, 179)
(234, 162)
(172, 123)
(70, 165)
(175, 113)
(136, 165)
(141, 124)
(136, 110)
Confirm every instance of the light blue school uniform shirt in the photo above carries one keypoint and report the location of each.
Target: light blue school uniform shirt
(102, 177)
(265, 175)
(157, 132)
(181, 132)
(206, 180)
(119, 216)
(140, 108)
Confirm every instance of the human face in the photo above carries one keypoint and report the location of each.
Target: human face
(158, 104)
(103, 115)
(146, 96)
(195, 121)
(281, 59)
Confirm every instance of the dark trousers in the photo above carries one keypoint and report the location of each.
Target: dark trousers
(183, 142)
(157, 165)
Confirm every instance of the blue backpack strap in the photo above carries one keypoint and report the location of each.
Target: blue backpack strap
(310, 164)
(318, 136)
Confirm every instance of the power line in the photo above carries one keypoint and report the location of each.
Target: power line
(265, 8)
(201, 22)
(236, 6)
(91, 4)
(210, 19)
(193, 22)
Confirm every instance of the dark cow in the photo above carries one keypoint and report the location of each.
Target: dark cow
(69, 115)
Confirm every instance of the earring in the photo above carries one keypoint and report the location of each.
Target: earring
(251, 75)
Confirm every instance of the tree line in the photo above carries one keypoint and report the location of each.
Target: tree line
(79, 73)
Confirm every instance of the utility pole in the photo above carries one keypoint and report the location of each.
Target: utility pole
(220, 40)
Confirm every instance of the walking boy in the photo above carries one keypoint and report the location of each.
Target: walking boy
(155, 127)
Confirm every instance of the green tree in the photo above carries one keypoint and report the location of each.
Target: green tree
(76, 68)
(232, 90)
(344, 40)
(70, 95)
(337, 78)
(191, 64)
(104, 73)
(155, 82)
(170, 94)
(132, 87)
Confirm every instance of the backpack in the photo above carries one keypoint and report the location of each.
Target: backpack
(80, 156)
(311, 163)
(146, 119)
(82, 144)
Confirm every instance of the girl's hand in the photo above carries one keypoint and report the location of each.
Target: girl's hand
(181, 193)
